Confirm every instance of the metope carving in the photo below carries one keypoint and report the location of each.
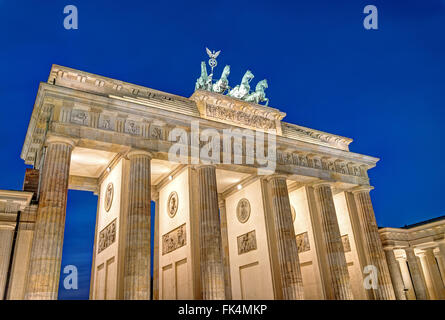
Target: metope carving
(107, 236)
(80, 117)
(174, 239)
(247, 242)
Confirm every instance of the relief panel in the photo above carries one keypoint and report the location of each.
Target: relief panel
(174, 239)
(247, 242)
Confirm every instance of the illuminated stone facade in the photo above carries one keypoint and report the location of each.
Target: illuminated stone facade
(307, 229)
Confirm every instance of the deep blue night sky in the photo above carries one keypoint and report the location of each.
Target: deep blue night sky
(385, 88)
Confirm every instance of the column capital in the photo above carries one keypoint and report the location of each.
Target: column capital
(421, 253)
(51, 139)
(409, 249)
(362, 188)
(275, 176)
(199, 166)
(221, 201)
(155, 196)
(322, 183)
(138, 152)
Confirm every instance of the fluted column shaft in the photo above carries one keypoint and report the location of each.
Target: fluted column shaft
(156, 251)
(441, 246)
(336, 259)
(225, 249)
(212, 267)
(432, 269)
(47, 245)
(291, 278)
(441, 260)
(373, 245)
(6, 237)
(406, 276)
(441, 264)
(396, 275)
(137, 244)
(416, 275)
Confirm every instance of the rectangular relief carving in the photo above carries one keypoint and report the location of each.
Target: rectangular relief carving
(174, 239)
(303, 242)
(247, 242)
(107, 236)
(346, 243)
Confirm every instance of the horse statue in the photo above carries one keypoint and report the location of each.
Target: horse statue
(203, 81)
(242, 90)
(259, 95)
(222, 84)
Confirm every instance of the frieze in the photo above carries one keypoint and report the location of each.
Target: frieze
(241, 117)
(302, 160)
(174, 239)
(157, 132)
(247, 242)
(107, 236)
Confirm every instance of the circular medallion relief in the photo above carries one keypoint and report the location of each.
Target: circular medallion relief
(109, 193)
(172, 204)
(293, 213)
(243, 210)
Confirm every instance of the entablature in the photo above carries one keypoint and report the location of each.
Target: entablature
(105, 119)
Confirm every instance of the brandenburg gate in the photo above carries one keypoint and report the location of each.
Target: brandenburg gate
(299, 224)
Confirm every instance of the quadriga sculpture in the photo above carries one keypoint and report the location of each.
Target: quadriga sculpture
(243, 89)
(223, 83)
(259, 95)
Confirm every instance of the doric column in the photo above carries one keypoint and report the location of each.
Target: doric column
(432, 275)
(441, 246)
(6, 236)
(225, 248)
(441, 264)
(46, 252)
(416, 274)
(291, 278)
(156, 250)
(406, 276)
(338, 269)
(373, 243)
(441, 259)
(396, 275)
(212, 266)
(137, 244)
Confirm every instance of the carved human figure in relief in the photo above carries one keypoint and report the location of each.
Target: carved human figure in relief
(172, 204)
(109, 196)
(243, 89)
(243, 210)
